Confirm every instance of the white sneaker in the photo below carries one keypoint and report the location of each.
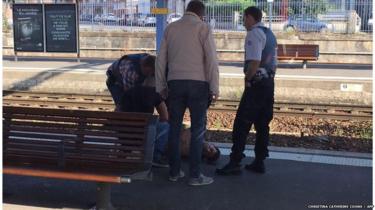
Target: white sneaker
(175, 178)
(201, 180)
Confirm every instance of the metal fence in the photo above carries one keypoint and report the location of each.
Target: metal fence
(336, 16)
(328, 16)
(127, 15)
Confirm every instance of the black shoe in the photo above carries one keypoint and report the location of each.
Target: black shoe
(160, 163)
(229, 169)
(257, 167)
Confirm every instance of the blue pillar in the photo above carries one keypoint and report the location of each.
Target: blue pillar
(161, 23)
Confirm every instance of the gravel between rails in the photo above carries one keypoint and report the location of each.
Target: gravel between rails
(325, 134)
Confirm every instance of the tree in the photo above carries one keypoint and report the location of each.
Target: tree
(308, 7)
(221, 7)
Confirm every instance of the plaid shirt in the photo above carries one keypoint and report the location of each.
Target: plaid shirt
(130, 71)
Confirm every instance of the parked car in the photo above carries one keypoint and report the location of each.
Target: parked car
(86, 17)
(133, 19)
(147, 20)
(110, 18)
(173, 17)
(305, 23)
(98, 18)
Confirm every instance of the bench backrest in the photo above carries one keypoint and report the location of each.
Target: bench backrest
(70, 139)
(297, 51)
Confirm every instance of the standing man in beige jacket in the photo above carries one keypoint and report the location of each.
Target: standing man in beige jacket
(188, 51)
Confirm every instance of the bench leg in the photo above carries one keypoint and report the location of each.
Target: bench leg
(304, 64)
(103, 199)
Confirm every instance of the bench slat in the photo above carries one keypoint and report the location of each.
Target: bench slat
(30, 141)
(123, 129)
(44, 124)
(44, 118)
(43, 153)
(30, 159)
(77, 141)
(55, 149)
(299, 58)
(134, 123)
(114, 159)
(72, 134)
(116, 122)
(63, 131)
(130, 130)
(45, 137)
(52, 140)
(78, 158)
(123, 116)
(114, 134)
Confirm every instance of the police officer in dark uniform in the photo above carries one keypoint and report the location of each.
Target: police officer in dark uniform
(256, 106)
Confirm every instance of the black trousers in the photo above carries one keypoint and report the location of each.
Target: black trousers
(256, 107)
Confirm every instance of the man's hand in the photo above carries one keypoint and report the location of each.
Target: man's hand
(163, 112)
(214, 97)
(251, 70)
(247, 82)
(164, 93)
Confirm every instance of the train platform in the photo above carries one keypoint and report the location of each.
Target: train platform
(323, 83)
(295, 179)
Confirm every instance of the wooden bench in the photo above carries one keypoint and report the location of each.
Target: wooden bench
(102, 147)
(298, 52)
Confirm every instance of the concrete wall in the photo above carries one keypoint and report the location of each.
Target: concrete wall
(333, 48)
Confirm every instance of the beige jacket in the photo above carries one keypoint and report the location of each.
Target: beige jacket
(189, 50)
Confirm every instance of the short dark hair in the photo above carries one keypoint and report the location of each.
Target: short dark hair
(255, 12)
(149, 61)
(196, 7)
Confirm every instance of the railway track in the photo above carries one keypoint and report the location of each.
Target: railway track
(105, 103)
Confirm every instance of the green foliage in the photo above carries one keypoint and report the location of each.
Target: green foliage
(244, 2)
(217, 124)
(366, 133)
(309, 7)
(221, 7)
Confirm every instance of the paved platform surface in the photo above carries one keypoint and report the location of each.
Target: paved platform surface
(287, 185)
(226, 69)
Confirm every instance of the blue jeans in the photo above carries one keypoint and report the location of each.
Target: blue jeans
(161, 140)
(193, 95)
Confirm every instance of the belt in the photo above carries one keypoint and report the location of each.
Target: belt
(261, 75)
(265, 74)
